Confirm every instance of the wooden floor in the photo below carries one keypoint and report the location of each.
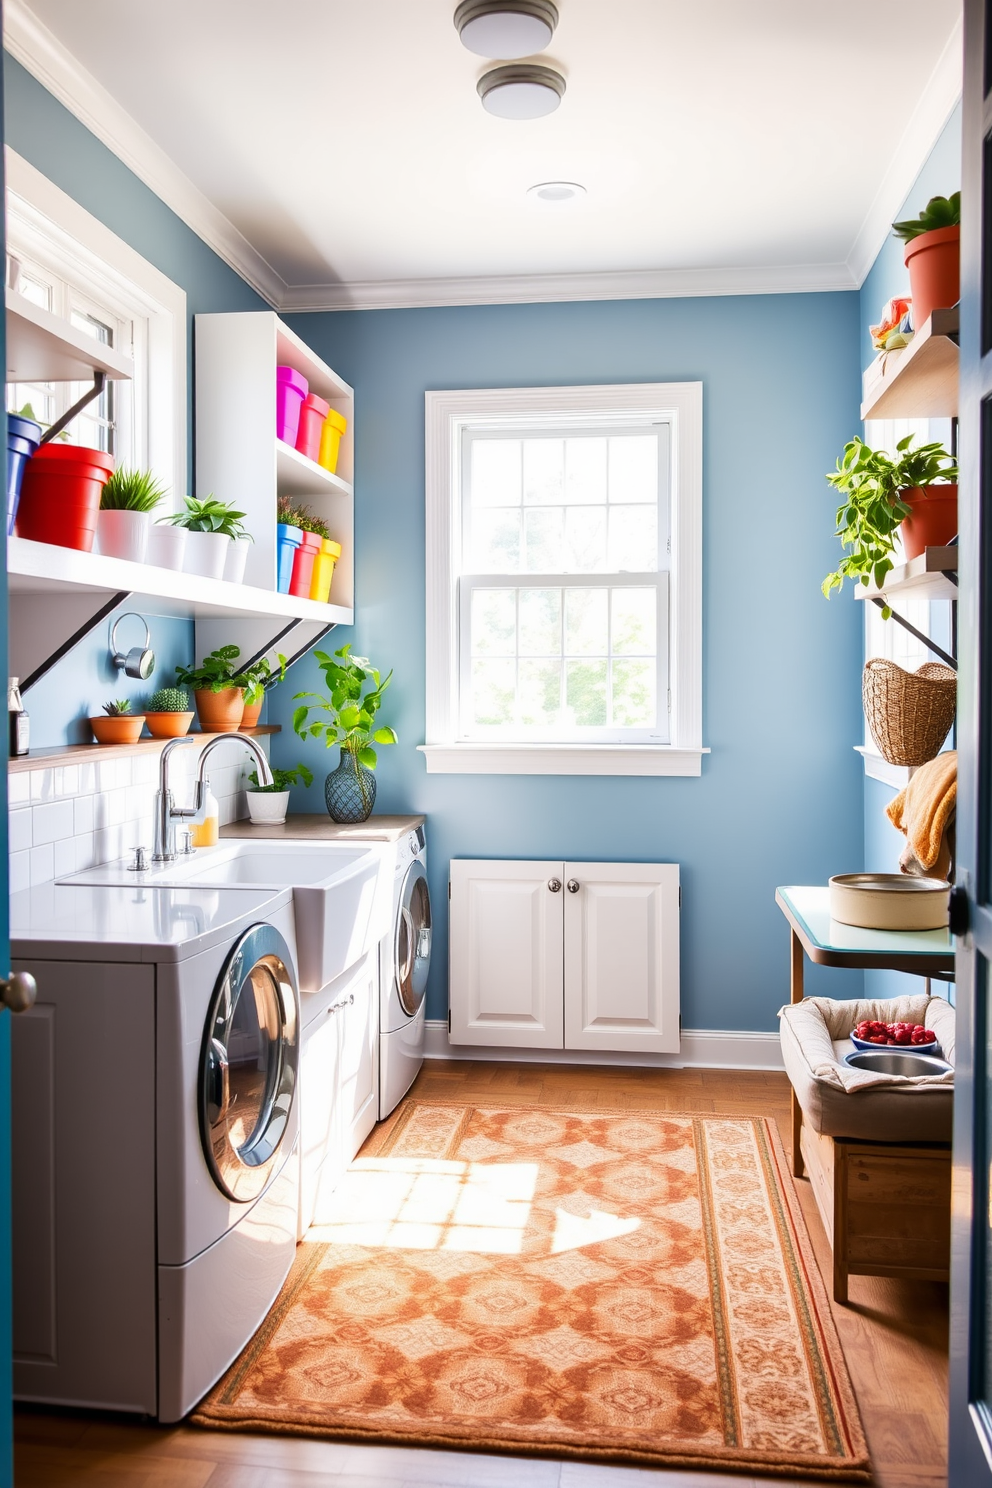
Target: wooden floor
(894, 1335)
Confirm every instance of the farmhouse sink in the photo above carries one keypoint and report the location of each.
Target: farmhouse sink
(340, 892)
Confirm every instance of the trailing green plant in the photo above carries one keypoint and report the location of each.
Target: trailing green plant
(871, 482)
(215, 673)
(209, 515)
(354, 695)
(258, 675)
(169, 700)
(940, 211)
(131, 490)
(118, 709)
(281, 780)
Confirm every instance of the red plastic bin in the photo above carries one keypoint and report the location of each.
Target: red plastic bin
(312, 416)
(60, 496)
(303, 561)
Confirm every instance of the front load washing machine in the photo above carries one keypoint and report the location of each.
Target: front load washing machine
(405, 957)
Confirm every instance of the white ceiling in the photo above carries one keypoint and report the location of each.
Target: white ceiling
(346, 142)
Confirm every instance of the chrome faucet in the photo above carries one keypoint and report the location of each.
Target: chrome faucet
(167, 813)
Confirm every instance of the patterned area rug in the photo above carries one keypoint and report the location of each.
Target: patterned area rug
(621, 1286)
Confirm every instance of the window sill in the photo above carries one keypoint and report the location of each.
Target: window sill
(562, 759)
(877, 768)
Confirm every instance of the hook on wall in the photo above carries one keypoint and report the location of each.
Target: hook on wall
(140, 660)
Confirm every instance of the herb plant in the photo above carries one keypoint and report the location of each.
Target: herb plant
(281, 780)
(118, 709)
(302, 517)
(215, 673)
(940, 211)
(169, 700)
(209, 515)
(349, 709)
(131, 490)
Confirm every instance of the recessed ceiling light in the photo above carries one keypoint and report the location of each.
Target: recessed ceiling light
(526, 92)
(506, 28)
(556, 191)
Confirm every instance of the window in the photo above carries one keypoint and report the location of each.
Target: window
(563, 580)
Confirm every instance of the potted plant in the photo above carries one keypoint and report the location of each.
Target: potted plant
(218, 690)
(288, 539)
(257, 679)
(210, 525)
(916, 490)
(267, 804)
(117, 724)
(126, 502)
(354, 695)
(60, 494)
(933, 256)
(237, 554)
(169, 714)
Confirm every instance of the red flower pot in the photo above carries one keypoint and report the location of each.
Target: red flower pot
(933, 521)
(934, 263)
(60, 497)
(303, 560)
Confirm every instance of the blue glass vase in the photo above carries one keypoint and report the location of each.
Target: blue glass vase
(349, 791)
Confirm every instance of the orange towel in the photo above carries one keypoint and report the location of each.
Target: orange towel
(924, 811)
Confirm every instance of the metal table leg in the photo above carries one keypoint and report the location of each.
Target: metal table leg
(796, 995)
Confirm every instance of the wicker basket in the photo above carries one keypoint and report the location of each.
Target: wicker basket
(908, 713)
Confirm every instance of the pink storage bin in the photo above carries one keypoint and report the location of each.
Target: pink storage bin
(312, 417)
(291, 389)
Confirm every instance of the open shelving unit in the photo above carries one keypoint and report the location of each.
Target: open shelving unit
(932, 575)
(921, 380)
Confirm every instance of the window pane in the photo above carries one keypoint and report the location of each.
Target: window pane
(496, 541)
(634, 686)
(585, 470)
(495, 472)
(543, 464)
(586, 630)
(494, 622)
(540, 622)
(585, 539)
(585, 693)
(543, 539)
(633, 546)
(634, 468)
(634, 628)
(540, 693)
(493, 687)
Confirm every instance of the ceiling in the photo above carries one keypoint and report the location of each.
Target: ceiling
(747, 143)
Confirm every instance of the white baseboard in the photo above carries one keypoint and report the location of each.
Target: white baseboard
(707, 1048)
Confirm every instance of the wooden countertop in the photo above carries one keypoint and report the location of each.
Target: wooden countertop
(307, 827)
(77, 754)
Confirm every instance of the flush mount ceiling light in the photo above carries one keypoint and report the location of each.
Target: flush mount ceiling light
(505, 28)
(521, 92)
(556, 192)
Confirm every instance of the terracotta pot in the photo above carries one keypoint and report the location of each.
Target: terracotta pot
(934, 519)
(124, 728)
(934, 263)
(251, 714)
(220, 712)
(168, 725)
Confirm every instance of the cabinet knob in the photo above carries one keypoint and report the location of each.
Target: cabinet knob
(573, 885)
(554, 884)
(18, 991)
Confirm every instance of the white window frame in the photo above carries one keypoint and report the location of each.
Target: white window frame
(55, 230)
(448, 413)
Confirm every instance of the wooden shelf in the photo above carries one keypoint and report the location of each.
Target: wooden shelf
(925, 577)
(921, 380)
(77, 754)
(43, 348)
(298, 476)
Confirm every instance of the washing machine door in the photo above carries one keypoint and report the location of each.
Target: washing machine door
(248, 1065)
(412, 945)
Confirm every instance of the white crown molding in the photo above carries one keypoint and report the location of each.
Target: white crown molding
(44, 56)
(935, 107)
(702, 1048)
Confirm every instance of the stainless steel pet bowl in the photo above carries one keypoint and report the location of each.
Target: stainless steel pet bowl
(898, 1062)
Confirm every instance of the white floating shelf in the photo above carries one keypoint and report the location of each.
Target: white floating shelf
(926, 577)
(43, 348)
(298, 476)
(920, 380)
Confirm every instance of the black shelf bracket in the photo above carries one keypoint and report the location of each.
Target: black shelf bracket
(280, 635)
(299, 655)
(901, 620)
(99, 383)
(78, 635)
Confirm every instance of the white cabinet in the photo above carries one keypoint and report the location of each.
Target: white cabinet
(554, 955)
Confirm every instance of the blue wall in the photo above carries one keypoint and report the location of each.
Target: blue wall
(779, 800)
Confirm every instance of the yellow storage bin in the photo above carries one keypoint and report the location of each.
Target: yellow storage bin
(323, 569)
(330, 440)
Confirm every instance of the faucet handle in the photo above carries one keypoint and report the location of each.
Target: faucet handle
(140, 864)
(186, 847)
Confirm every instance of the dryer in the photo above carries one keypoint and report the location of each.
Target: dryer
(404, 961)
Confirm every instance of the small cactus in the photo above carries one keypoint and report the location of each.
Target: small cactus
(118, 709)
(169, 700)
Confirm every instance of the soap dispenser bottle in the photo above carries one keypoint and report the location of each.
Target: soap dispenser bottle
(205, 831)
(17, 715)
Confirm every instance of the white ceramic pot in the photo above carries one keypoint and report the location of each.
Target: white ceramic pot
(268, 806)
(236, 559)
(123, 534)
(206, 553)
(166, 546)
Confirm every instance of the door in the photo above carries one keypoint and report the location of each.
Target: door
(622, 956)
(971, 1235)
(506, 954)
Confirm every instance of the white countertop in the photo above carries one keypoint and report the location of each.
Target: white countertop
(134, 923)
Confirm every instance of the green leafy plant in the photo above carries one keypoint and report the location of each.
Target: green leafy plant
(355, 692)
(131, 490)
(169, 700)
(258, 675)
(118, 709)
(281, 780)
(209, 515)
(215, 673)
(28, 412)
(940, 211)
(867, 520)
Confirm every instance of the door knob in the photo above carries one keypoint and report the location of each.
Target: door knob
(572, 886)
(18, 991)
(554, 884)
(958, 910)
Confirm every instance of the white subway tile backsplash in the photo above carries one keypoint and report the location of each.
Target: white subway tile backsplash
(42, 864)
(67, 781)
(42, 785)
(65, 856)
(19, 789)
(20, 871)
(82, 815)
(52, 821)
(20, 829)
(85, 851)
